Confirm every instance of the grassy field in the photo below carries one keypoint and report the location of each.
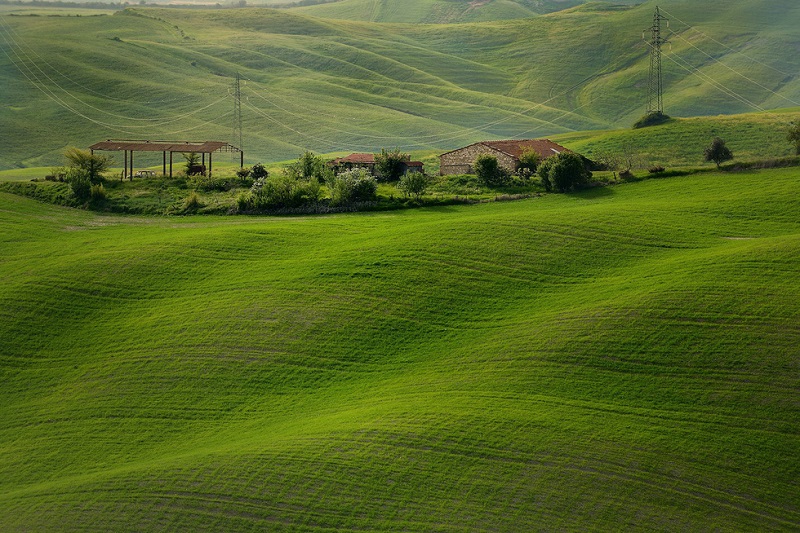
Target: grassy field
(338, 85)
(623, 358)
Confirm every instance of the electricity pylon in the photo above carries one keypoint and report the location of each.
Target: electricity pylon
(655, 86)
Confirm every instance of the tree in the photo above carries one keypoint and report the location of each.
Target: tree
(192, 163)
(793, 136)
(529, 161)
(90, 165)
(391, 164)
(564, 172)
(718, 152)
(489, 170)
(413, 184)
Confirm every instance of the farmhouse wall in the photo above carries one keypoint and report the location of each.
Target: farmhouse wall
(461, 161)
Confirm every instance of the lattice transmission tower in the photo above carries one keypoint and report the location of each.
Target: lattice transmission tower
(655, 85)
(237, 113)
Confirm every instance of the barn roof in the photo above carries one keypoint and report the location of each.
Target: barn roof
(515, 148)
(200, 147)
(364, 159)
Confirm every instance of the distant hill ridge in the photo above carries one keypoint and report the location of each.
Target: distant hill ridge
(440, 11)
(332, 85)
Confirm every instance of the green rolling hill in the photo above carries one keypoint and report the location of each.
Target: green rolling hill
(623, 358)
(334, 85)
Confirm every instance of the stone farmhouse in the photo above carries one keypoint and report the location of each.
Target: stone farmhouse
(507, 153)
(367, 161)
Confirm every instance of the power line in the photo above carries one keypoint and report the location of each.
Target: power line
(734, 70)
(728, 47)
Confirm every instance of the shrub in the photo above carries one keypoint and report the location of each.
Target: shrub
(651, 119)
(356, 185)
(192, 202)
(279, 192)
(79, 182)
(489, 171)
(793, 136)
(90, 165)
(413, 184)
(97, 193)
(243, 173)
(391, 165)
(564, 172)
(656, 169)
(258, 172)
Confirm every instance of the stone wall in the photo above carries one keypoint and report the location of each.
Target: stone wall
(461, 161)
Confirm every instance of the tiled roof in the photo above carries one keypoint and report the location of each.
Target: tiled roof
(544, 147)
(364, 159)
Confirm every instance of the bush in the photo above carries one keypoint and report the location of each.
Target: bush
(192, 202)
(564, 172)
(243, 173)
(651, 119)
(413, 184)
(97, 193)
(90, 165)
(356, 185)
(79, 182)
(656, 169)
(489, 171)
(258, 172)
(277, 192)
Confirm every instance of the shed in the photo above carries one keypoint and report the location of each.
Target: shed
(171, 147)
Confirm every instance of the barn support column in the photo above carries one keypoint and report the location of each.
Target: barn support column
(241, 159)
(209, 165)
(170, 163)
(125, 167)
(203, 162)
(131, 176)
(164, 167)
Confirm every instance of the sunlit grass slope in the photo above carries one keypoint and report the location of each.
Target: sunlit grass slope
(337, 85)
(624, 358)
(681, 142)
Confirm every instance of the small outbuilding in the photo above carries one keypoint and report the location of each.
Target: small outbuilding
(367, 161)
(461, 161)
(166, 147)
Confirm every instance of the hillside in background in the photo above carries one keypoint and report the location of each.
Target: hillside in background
(333, 85)
(623, 357)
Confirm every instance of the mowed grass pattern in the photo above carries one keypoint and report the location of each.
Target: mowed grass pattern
(623, 358)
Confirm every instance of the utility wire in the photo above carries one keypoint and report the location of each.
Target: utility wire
(30, 64)
(734, 70)
(673, 17)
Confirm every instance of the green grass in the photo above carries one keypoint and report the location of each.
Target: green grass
(332, 85)
(622, 358)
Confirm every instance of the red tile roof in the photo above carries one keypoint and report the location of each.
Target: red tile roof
(363, 159)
